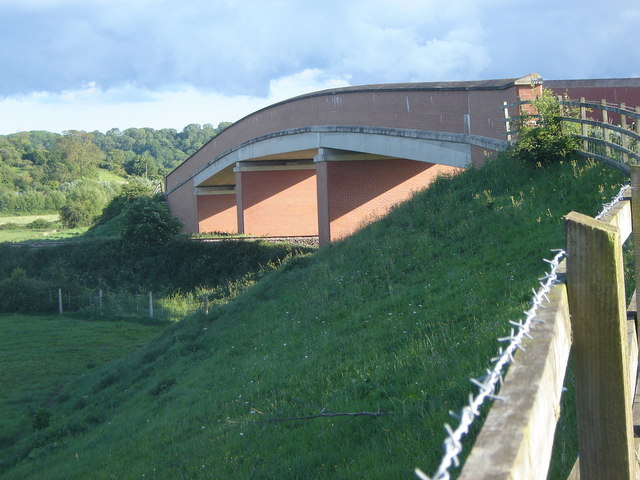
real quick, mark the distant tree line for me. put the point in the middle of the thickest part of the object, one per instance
(45, 172)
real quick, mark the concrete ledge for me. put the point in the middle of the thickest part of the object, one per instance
(445, 148)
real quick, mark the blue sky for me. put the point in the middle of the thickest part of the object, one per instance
(99, 64)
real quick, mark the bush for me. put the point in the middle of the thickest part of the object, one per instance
(85, 202)
(40, 224)
(542, 139)
(147, 221)
(20, 294)
(74, 214)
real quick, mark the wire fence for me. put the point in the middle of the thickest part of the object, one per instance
(116, 304)
(489, 384)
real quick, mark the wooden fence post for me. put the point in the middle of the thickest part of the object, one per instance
(507, 123)
(60, 301)
(150, 305)
(583, 126)
(635, 219)
(638, 129)
(595, 284)
(625, 138)
(605, 131)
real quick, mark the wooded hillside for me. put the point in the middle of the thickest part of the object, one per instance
(41, 171)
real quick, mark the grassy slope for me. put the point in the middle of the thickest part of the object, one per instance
(41, 353)
(395, 318)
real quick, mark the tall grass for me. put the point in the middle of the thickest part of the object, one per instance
(394, 319)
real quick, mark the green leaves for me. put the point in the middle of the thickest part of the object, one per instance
(147, 221)
(542, 138)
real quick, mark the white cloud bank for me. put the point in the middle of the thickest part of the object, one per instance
(95, 65)
(91, 108)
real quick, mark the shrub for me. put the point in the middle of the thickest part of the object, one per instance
(147, 222)
(40, 223)
(74, 214)
(542, 139)
(18, 293)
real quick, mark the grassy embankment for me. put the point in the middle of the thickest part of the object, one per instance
(395, 320)
(40, 354)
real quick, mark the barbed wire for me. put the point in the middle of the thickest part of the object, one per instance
(488, 384)
(607, 207)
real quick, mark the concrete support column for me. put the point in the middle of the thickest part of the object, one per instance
(322, 187)
(239, 202)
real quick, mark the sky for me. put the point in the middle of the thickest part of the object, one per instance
(102, 64)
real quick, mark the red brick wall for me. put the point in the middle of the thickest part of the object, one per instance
(182, 204)
(630, 95)
(280, 202)
(616, 95)
(363, 191)
(438, 110)
(217, 213)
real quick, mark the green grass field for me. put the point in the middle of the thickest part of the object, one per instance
(25, 219)
(108, 176)
(36, 235)
(394, 319)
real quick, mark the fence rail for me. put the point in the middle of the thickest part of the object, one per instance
(615, 140)
(584, 313)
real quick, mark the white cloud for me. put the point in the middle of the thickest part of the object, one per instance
(92, 108)
(225, 55)
(306, 81)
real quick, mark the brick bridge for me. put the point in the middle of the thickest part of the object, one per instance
(326, 163)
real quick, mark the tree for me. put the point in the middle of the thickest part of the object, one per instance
(80, 154)
(143, 166)
(85, 202)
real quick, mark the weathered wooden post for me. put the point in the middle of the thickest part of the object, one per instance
(507, 123)
(605, 130)
(638, 129)
(583, 126)
(635, 218)
(595, 284)
(625, 138)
